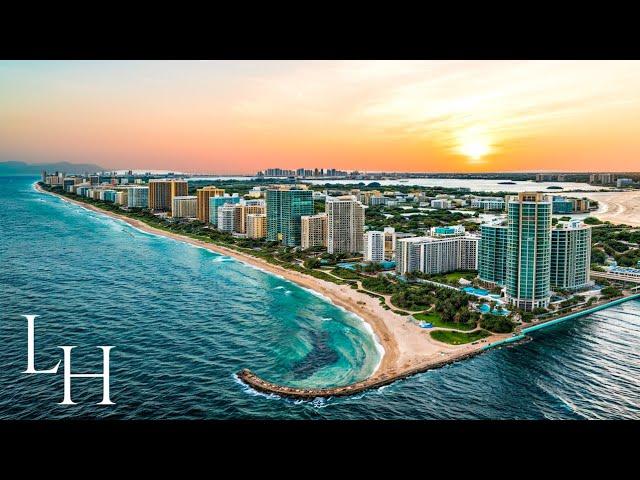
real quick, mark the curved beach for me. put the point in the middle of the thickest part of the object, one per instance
(617, 207)
(408, 349)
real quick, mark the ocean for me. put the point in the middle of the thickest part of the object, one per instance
(184, 320)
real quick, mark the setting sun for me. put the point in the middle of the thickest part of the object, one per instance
(475, 150)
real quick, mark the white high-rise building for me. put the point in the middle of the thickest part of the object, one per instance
(345, 224)
(436, 254)
(570, 255)
(227, 217)
(374, 243)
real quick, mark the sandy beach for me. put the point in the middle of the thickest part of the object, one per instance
(407, 347)
(617, 207)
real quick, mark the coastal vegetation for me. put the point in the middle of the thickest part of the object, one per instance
(436, 320)
(497, 323)
(458, 338)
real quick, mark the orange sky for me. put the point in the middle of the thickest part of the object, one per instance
(239, 117)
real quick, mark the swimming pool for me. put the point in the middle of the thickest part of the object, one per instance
(476, 291)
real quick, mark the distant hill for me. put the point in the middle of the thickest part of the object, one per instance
(22, 168)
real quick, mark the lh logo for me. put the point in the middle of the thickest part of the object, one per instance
(31, 368)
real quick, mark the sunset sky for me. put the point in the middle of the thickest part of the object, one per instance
(239, 117)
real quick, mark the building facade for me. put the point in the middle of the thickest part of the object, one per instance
(492, 254)
(313, 231)
(215, 202)
(249, 207)
(256, 225)
(528, 250)
(345, 224)
(227, 217)
(285, 208)
(570, 255)
(185, 206)
(433, 255)
(161, 193)
(374, 246)
(204, 194)
(138, 197)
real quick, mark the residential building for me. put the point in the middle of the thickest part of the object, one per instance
(227, 217)
(528, 250)
(162, 191)
(184, 206)
(215, 202)
(122, 198)
(488, 203)
(624, 182)
(204, 194)
(345, 224)
(137, 196)
(249, 207)
(570, 255)
(374, 242)
(256, 224)
(286, 205)
(441, 203)
(313, 230)
(492, 254)
(436, 254)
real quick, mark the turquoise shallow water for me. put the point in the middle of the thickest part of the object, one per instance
(184, 320)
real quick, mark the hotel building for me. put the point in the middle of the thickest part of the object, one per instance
(227, 217)
(446, 250)
(528, 250)
(122, 198)
(185, 206)
(285, 208)
(570, 255)
(215, 202)
(492, 254)
(488, 203)
(249, 207)
(256, 225)
(161, 192)
(138, 197)
(313, 231)
(441, 203)
(374, 243)
(345, 224)
(204, 194)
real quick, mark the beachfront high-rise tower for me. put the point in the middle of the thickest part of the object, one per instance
(285, 207)
(313, 231)
(570, 255)
(492, 254)
(528, 250)
(345, 224)
(215, 202)
(161, 193)
(204, 194)
(374, 246)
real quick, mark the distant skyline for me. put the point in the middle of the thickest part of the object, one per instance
(238, 117)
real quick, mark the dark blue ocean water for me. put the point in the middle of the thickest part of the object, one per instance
(183, 320)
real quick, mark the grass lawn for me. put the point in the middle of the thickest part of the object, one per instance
(452, 278)
(434, 318)
(458, 338)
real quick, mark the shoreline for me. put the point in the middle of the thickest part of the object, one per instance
(407, 348)
(617, 207)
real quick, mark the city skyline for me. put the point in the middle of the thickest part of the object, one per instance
(245, 116)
